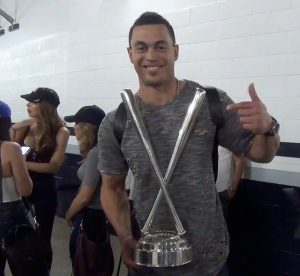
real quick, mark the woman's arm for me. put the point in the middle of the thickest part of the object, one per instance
(18, 130)
(80, 201)
(19, 170)
(58, 156)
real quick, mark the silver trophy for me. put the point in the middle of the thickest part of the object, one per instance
(163, 248)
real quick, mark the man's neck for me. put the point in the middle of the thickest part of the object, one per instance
(159, 95)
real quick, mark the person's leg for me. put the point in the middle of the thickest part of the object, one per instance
(73, 237)
(45, 215)
(2, 263)
(6, 221)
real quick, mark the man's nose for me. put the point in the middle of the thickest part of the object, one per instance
(151, 53)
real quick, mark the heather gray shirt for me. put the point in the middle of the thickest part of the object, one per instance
(89, 175)
(191, 187)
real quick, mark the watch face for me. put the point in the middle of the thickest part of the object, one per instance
(275, 128)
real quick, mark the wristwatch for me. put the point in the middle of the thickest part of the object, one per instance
(274, 129)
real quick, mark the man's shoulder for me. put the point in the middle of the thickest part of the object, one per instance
(109, 117)
(193, 84)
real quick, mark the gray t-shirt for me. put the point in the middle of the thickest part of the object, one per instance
(191, 187)
(89, 175)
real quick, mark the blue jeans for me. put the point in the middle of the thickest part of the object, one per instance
(11, 214)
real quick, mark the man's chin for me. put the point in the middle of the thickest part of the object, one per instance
(153, 82)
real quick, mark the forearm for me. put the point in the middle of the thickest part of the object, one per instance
(42, 167)
(76, 206)
(116, 207)
(263, 148)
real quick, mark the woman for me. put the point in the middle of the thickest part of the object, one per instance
(45, 133)
(86, 205)
(15, 181)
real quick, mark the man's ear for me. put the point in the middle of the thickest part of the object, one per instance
(176, 51)
(129, 50)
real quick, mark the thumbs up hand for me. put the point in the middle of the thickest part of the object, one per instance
(253, 114)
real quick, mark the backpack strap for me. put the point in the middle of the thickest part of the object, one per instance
(119, 122)
(216, 113)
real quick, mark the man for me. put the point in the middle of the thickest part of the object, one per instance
(163, 102)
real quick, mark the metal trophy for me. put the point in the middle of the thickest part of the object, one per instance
(163, 248)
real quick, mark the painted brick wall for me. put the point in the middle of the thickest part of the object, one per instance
(78, 48)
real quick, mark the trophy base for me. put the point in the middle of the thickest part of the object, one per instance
(163, 249)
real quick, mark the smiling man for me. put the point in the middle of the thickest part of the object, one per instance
(163, 101)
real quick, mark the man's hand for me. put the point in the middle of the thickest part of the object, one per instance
(128, 249)
(253, 114)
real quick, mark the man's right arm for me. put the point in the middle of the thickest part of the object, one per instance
(115, 203)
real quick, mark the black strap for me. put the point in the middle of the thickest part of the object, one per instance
(215, 107)
(119, 122)
(1, 188)
(216, 113)
(32, 212)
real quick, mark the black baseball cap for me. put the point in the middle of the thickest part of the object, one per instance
(91, 114)
(43, 94)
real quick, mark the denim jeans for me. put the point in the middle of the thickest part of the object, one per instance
(11, 214)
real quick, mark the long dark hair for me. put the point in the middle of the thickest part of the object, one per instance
(49, 124)
(5, 124)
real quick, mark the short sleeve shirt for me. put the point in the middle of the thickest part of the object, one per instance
(191, 186)
(90, 176)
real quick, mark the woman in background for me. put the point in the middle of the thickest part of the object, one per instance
(15, 181)
(46, 135)
(86, 205)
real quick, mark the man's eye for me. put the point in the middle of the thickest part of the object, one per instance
(140, 48)
(161, 47)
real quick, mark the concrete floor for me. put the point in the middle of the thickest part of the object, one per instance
(61, 265)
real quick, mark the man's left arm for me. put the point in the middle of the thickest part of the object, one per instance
(254, 117)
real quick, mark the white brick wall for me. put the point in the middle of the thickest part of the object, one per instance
(79, 49)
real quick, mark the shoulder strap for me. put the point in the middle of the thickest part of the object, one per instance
(215, 107)
(216, 113)
(1, 189)
(119, 122)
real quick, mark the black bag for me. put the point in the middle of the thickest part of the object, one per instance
(26, 251)
(93, 258)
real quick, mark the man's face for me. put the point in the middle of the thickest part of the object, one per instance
(153, 54)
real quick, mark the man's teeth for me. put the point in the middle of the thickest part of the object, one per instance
(151, 68)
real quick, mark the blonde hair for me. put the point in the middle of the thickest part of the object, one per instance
(49, 123)
(88, 138)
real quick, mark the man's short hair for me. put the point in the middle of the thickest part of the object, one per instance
(152, 18)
